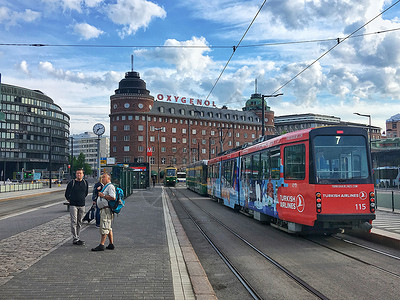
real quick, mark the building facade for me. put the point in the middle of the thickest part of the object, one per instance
(393, 126)
(177, 130)
(290, 123)
(87, 143)
(34, 134)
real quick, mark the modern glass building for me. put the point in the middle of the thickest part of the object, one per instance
(33, 135)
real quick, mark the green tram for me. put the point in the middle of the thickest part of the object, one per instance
(196, 177)
(170, 176)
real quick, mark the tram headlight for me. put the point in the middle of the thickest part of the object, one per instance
(372, 204)
(318, 199)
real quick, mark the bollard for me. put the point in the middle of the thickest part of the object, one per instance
(392, 201)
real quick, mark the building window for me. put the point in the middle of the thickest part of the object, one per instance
(152, 160)
(127, 159)
(173, 150)
(184, 150)
(184, 130)
(193, 131)
(114, 138)
(126, 148)
(140, 127)
(127, 138)
(152, 139)
(183, 140)
(173, 130)
(204, 142)
(140, 138)
(161, 109)
(114, 128)
(163, 149)
(137, 118)
(203, 151)
(194, 141)
(229, 143)
(127, 127)
(114, 149)
(140, 148)
(163, 160)
(203, 132)
(182, 111)
(130, 118)
(237, 134)
(237, 144)
(173, 140)
(140, 159)
(163, 139)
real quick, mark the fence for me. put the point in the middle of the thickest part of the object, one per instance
(389, 199)
(20, 187)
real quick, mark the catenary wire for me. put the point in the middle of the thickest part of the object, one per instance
(330, 49)
(199, 46)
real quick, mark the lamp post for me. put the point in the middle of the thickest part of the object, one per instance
(50, 142)
(158, 153)
(263, 111)
(369, 127)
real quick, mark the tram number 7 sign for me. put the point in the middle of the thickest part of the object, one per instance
(149, 151)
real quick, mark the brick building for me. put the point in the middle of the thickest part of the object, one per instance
(178, 130)
(393, 126)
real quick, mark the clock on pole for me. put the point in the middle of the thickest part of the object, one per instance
(98, 129)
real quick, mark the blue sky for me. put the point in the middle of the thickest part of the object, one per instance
(361, 74)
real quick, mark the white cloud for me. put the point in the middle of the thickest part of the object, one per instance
(65, 4)
(134, 14)
(12, 18)
(87, 31)
(93, 3)
(24, 67)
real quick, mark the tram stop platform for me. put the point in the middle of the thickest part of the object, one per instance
(153, 258)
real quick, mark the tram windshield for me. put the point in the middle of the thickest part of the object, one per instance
(340, 158)
(171, 172)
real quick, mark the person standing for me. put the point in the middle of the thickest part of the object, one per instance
(106, 194)
(75, 193)
(95, 195)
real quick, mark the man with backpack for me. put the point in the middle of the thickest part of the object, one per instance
(95, 195)
(76, 192)
(106, 215)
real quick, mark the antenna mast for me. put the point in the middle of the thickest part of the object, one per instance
(132, 62)
(255, 86)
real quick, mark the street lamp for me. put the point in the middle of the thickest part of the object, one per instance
(50, 142)
(369, 127)
(263, 110)
(158, 153)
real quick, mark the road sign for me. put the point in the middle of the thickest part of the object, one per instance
(149, 151)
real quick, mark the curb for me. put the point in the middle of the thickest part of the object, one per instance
(376, 237)
(30, 195)
(201, 286)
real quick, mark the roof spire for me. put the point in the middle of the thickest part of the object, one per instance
(255, 86)
(132, 62)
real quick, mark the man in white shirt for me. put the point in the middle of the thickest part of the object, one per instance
(106, 215)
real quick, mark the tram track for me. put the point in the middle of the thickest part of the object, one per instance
(310, 289)
(356, 258)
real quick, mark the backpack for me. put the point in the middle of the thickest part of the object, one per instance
(119, 202)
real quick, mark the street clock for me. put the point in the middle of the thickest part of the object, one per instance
(98, 129)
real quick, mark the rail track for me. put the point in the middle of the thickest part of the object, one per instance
(235, 270)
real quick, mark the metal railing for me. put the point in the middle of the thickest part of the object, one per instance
(5, 188)
(388, 199)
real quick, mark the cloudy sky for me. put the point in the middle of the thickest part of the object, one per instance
(90, 43)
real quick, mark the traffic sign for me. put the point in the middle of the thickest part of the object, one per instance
(149, 151)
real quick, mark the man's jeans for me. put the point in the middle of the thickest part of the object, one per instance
(77, 213)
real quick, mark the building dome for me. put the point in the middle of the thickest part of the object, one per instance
(132, 84)
(255, 103)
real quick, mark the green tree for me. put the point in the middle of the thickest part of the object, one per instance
(80, 163)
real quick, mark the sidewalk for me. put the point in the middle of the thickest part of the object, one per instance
(151, 259)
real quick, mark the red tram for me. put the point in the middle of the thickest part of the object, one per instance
(317, 180)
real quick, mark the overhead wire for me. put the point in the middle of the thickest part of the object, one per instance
(234, 50)
(197, 46)
(330, 49)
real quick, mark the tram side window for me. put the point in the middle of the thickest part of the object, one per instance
(228, 173)
(255, 166)
(295, 162)
(264, 164)
(275, 163)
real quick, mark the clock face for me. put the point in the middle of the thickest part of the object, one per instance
(126, 105)
(98, 129)
(140, 105)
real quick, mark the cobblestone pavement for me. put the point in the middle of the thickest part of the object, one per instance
(45, 264)
(20, 251)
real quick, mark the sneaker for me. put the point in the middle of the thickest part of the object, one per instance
(79, 242)
(97, 226)
(98, 248)
(110, 247)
